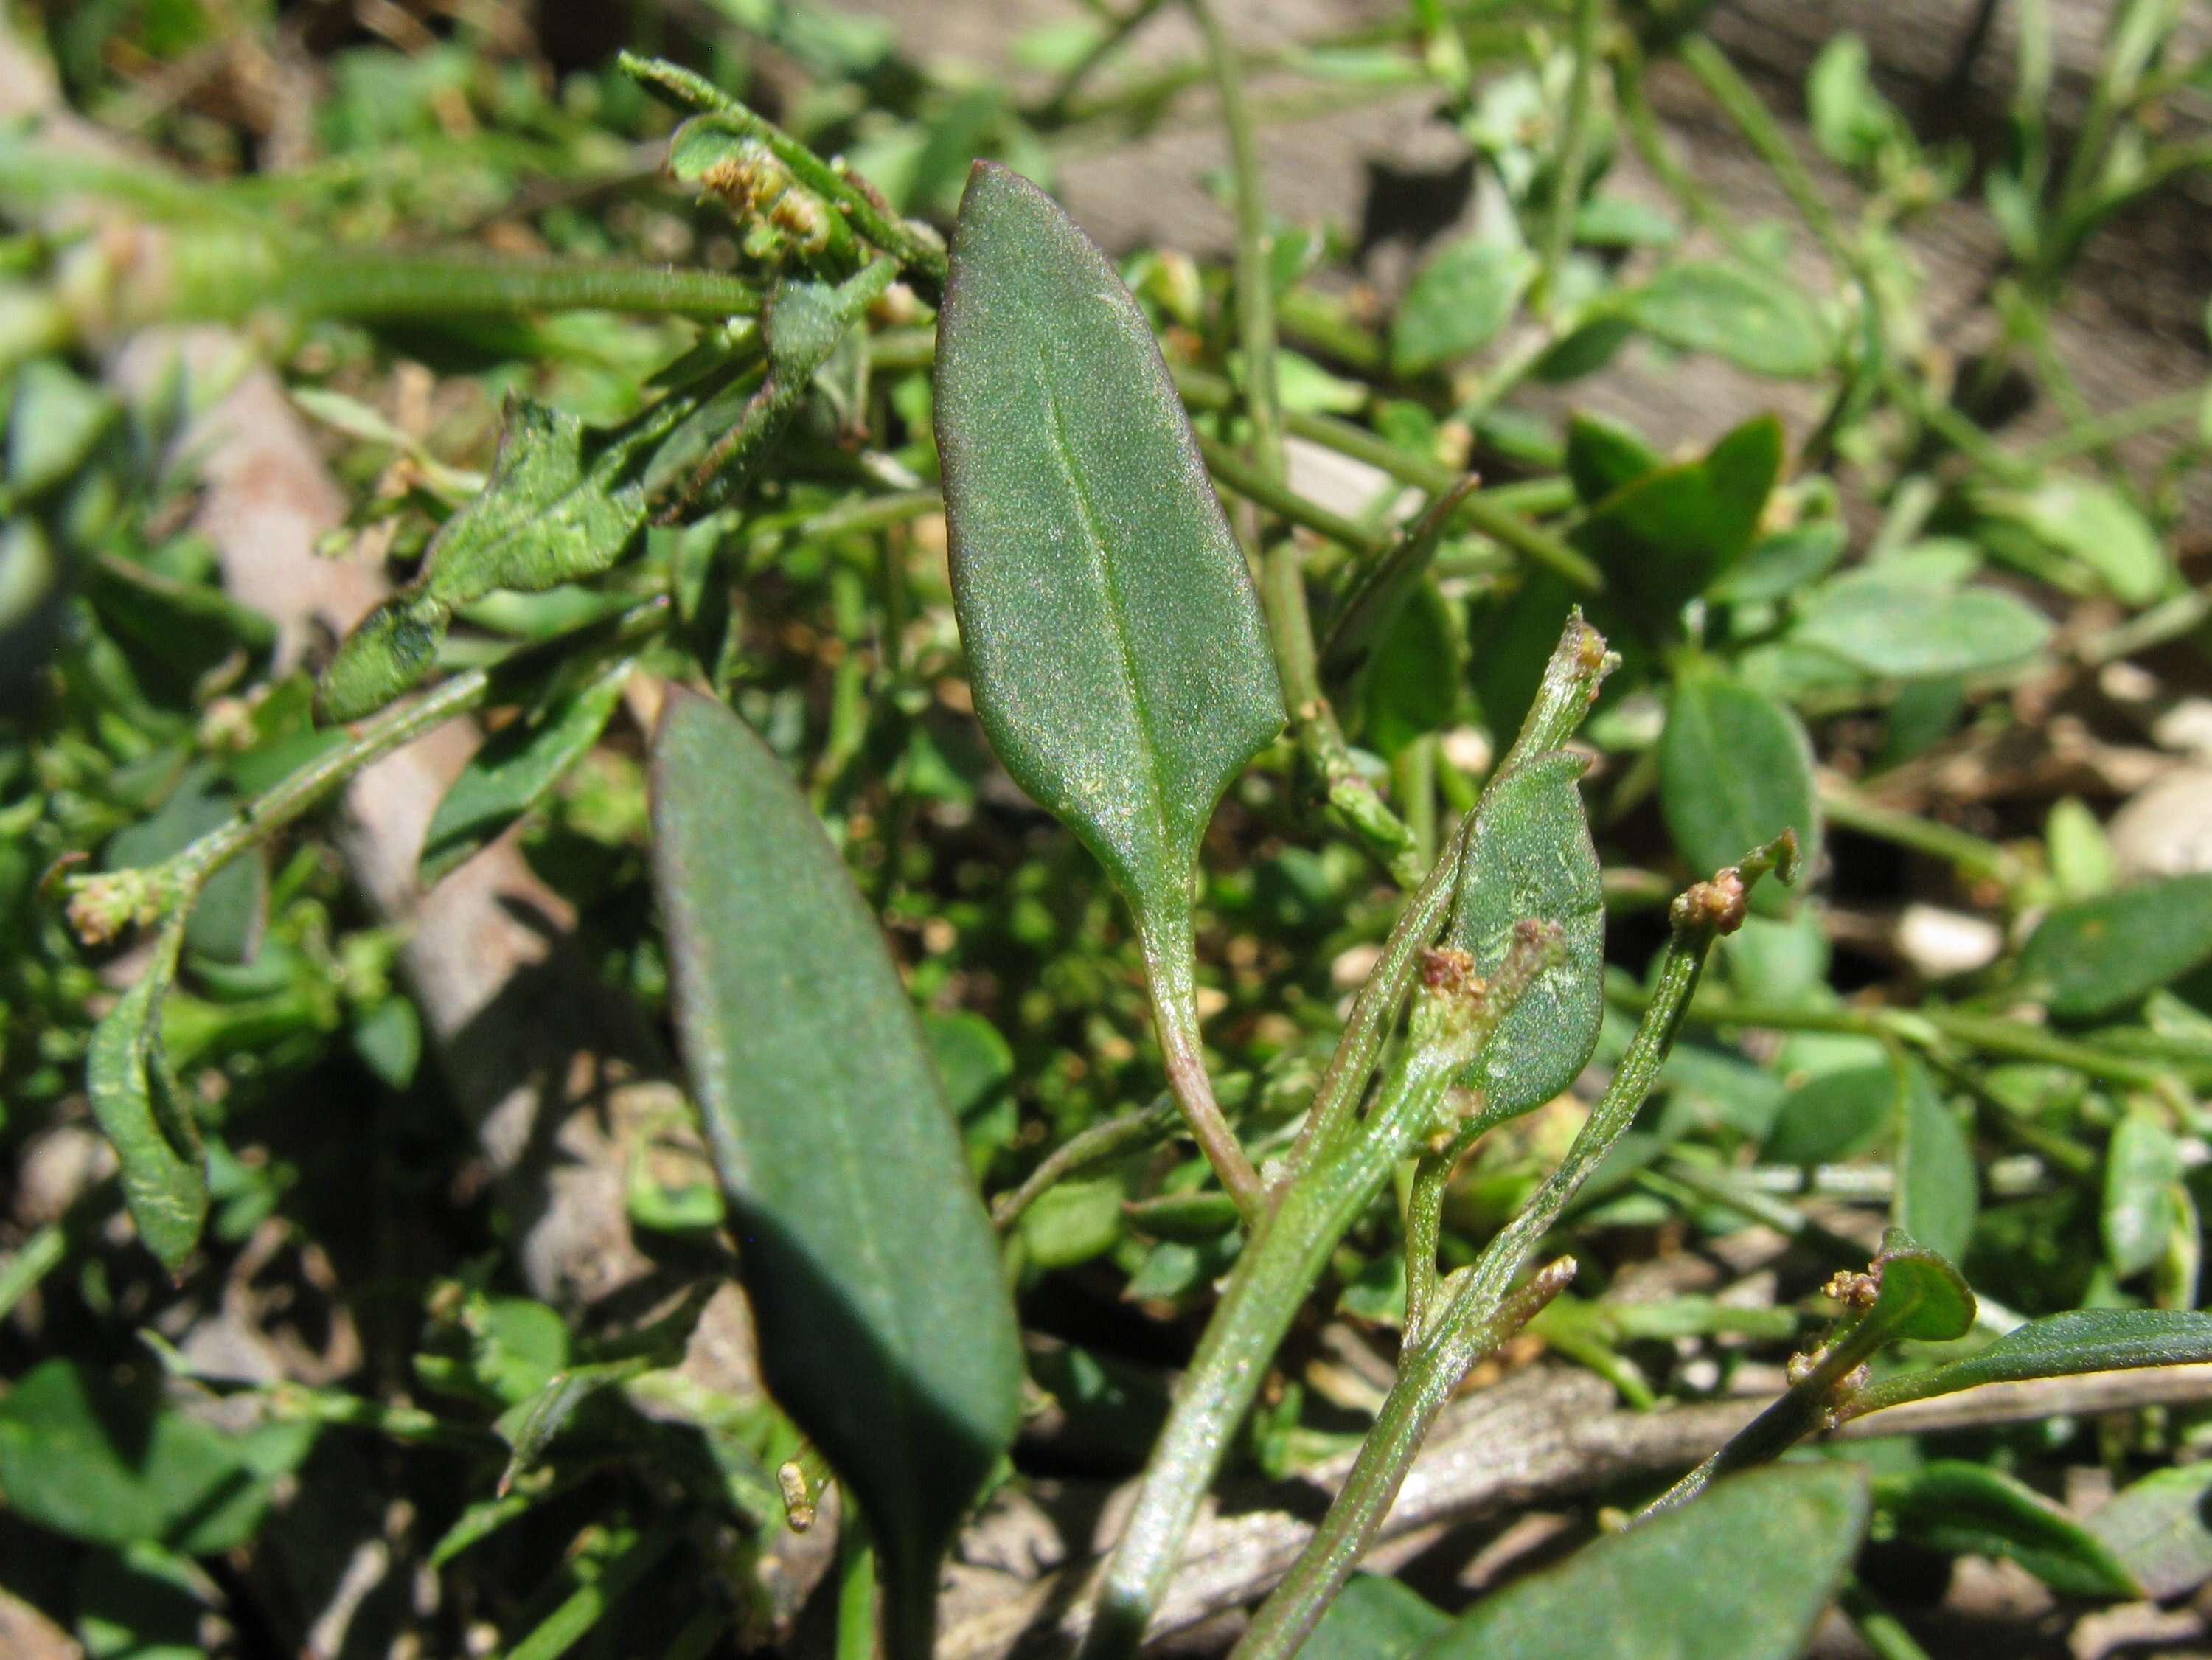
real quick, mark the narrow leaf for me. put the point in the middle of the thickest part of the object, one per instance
(144, 1113)
(2060, 1345)
(516, 767)
(2089, 958)
(1742, 1573)
(1529, 856)
(1906, 630)
(1119, 662)
(1956, 1507)
(886, 1331)
(2158, 1530)
(1736, 770)
(2142, 1167)
(1937, 1196)
(1753, 321)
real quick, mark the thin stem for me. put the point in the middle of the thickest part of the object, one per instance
(372, 283)
(914, 246)
(1573, 152)
(1053, 110)
(1170, 964)
(1743, 105)
(30, 1263)
(2099, 432)
(856, 1587)
(1091, 1146)
(1263, 490)
(588, 1604)
(1972, 853)
(1424, 1383)
(1256, 293)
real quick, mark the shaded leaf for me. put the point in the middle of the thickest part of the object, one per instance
(531, 1425)
(1604, 455)
(2142, 1167)
(1457, 302)
(111, 1466)
(1529, 856)
(1752, 321)
(515, 768)
(1736, 770)
(1955, 1507)
(144, 1114)
(1834, 1113)
(1711, 1580)
(2161, 1530)
(1412, 685)
(1923, 1299)
(885, 1330)
(1664, 538)
(1937, 1192)
(1907, 630)
(1119, 660)
(1374, 1618)
(232, 906)
(2094, 955)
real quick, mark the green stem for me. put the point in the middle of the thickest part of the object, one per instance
(1262, 490)
(1091, 1146)
(1479, 1312)
(1170, 970)
(856, 1587)
(1256, 288)
(30, 1263)
(2099, 432)
(1053, 110)
(1741, 100)
(1972, 853)
(914, 246)
(588, 1604)
(1272, 1279)
(373, 282)
(1573, 152)
(1880, 1630)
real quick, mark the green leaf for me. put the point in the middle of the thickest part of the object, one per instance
(1781, 566)
(1736, 770)
(1530, 857)
(1374, 1618)
(530, 1426)
(563, 501)
(1666, 538)
(885, 1329)
(2143, 1166)
(1907, 630)
(1955, 1507)
(145, 1114)
(516, 767)
(1752, 321)
(232, 905)
(141, 1602)
(2091, 958)
(1603, 456)
(1115, 645)
(1709, 1581)
(1937, 1196)
(2160, 1531)
(1412, 685)
(1457, 302)
(1850, 121)
(1071, 1223)
(54, 419)
(1833, 1115)
(2060, 1345)
(112, 1466)
(1923, 1299)
(2093, 522)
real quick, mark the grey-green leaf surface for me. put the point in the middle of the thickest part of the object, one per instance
(1906, 630)
(2093, 956)
(2143, 1166)
(1458, 301)
(516, 767)
(144, 1114)
(1374, 1618)
(1956, 1507)
(886, 1331)
(1736, 770)
(1742, 1572)
(1530, 857)
(1753, 321)
(2060, 1345)
(1114, 642)
(1938, 1194)
(2158, 1530)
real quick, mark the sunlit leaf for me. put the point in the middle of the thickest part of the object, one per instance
(2094, 955)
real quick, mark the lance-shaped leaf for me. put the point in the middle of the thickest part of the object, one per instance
(142, 1112)
(1120, 661)
(1742, 1574)
(886, 1331)
(2058, 1345)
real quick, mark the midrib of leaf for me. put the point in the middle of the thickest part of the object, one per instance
(1087, 511)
